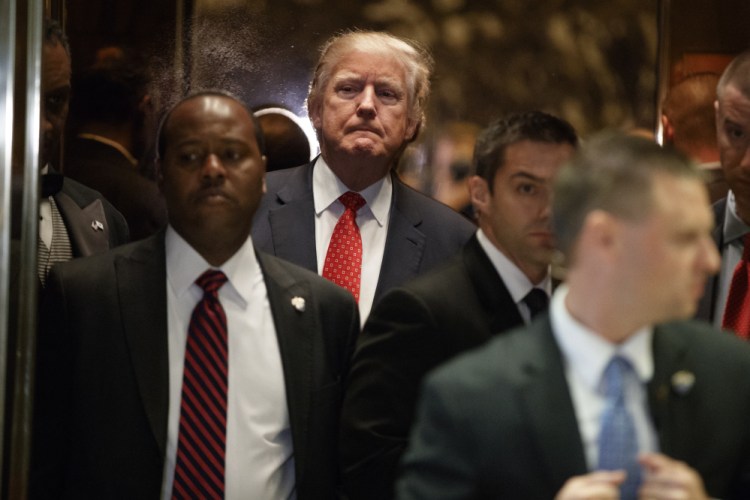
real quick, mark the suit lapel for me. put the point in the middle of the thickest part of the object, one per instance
(494, 296)
(295, 330)
(668, 409)
(141, 283)
(545, 393)
(707, 304)
(404, 244)
(87, 226)
(293, 222)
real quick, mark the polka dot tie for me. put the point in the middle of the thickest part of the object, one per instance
(737, 310)
(343, 264)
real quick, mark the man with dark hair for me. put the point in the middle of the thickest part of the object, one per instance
(187, 364)
(109, 113)
(732, 214)
(499, 280)
(613, 394)
(75, 221)
(346, 215)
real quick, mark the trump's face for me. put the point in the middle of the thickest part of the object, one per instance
(364, 110)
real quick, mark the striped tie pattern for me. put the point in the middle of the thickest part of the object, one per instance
(343, 264)
(199, 469)
(60, 249)
(618, 444)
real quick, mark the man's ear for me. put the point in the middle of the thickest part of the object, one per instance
(667, 130)
(479, 192)
(315, 118)
(412, 130)
(265, 165)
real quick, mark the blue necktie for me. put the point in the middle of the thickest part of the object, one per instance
(618, 443)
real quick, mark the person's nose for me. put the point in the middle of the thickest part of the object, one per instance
(212, 168)
(366, 106)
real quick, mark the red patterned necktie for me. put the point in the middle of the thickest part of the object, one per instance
(737, 310)
(343, 264)
(199, 469)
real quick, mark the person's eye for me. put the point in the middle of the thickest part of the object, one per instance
(526, 189)
(347, 90)
(388, 95)
(232, 155)
(188, 157)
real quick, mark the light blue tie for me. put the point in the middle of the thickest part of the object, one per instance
(618, 444)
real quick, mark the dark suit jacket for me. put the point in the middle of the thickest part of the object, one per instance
(102, 399)
(707, 304)
(81, 206)
(101, 167)
(413, 329)
(499, 422)
(421, 232)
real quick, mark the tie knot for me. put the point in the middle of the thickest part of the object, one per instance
(536, 300)
(211, 280)
(615, 373)
(352, 201)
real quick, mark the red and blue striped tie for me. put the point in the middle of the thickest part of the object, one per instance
(199, 470)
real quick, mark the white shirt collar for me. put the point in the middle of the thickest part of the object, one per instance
(517, 283)
(327, 188)
(588, 353)
(185, 265)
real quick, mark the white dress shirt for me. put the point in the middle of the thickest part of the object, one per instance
(259, 460)
(585, 356)
(45, 215)
(731, 253)
(517, 283)
(372, 220)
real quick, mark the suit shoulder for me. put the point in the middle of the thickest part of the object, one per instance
(317, 282)
(706, 342)
(88, 267)
(280, 178)
(434, 213)
(84, 195)
(499, 360)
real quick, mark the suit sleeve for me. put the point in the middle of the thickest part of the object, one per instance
(396, 348)
(52, 394)
(440, 461)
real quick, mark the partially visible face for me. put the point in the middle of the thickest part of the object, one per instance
(733, 135)
(212, 171)
(516, 214)
(666, 258)
(364, 109)
(55, 99)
